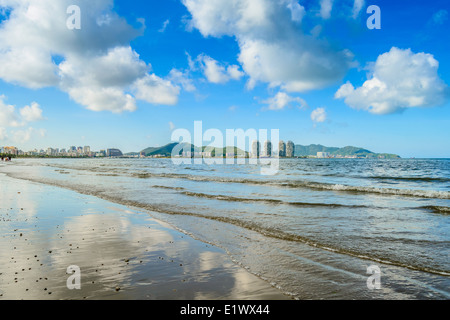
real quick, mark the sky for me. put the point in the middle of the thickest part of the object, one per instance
(126, 74)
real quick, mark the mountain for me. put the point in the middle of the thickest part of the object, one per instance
(303, 151)
(349, 151)
(166, 150)
(300, 151)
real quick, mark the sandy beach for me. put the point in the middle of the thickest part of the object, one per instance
(122, 253)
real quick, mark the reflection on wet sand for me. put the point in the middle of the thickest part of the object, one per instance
(122, 254)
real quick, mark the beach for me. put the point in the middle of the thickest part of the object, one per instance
(151, 229)
(122, 254)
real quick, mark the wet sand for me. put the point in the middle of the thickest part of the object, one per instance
(122, 253)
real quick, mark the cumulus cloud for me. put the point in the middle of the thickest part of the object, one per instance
(183, 79)
(217, 73)
(325, 8)
(3, 134)
(319, 115)
(11, 118)
(357, 6)
(95, 65)
(440, 17)
(8, 115)
(273, 49)
(32, 113)
(156, 90)
(22, 136)
(282, 100)
(399, 79)
(297, 10)
(164, 26)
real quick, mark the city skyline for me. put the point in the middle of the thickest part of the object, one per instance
(312, 69)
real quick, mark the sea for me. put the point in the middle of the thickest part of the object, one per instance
(317, 229)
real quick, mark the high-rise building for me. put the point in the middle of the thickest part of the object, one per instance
(10, 150)
(290, 149)
(267, 152)
(322, 155)
(113, 153)
(86, 150)
(256, 148)
(282, 149)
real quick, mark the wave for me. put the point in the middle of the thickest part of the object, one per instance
(324, 186)
(305, 184)
(168, 188)
(272, 201)
(249, 225)
(437, 209)
(417, 179)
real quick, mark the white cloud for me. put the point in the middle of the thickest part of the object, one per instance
(217, 73)
(8, 115)
(153, 89)
(3, 134)
(171, 126)
(282, 100)
(440, 17)
(234, 72)
(357, 6)
(95, 65)
(10, 118)
(297, 10)
(22, 136)
(102, 98)
(32, 113)
(164, 26)
(273, 49)
(325, 8)
(399, 79)
(319, 115)
(182, 78)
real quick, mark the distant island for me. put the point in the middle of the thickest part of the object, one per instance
(349, 151)
(301, 151)
(189, 150)
(166, 151)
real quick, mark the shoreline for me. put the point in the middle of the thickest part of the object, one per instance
(122, 253)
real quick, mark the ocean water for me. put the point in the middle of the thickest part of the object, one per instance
(312, 230)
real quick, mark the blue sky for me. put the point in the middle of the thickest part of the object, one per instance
(136, 70)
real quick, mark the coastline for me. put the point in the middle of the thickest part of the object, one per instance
(122, 253)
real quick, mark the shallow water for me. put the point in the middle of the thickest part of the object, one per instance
(311, 230)
(120, 253)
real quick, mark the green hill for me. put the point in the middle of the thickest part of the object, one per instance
(164, 150)
(300, 151)
(167, 150)
(303, 151)
(349, 151)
